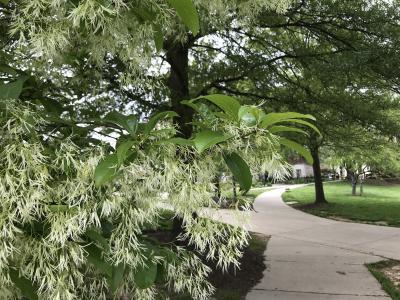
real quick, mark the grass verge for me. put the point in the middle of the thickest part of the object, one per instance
(247, 199)
(385, 273)
(379, 205)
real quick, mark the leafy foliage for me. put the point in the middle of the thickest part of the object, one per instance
(96, 205)
(188, 14)
(11, 90)
(240, 170)
(24, 285)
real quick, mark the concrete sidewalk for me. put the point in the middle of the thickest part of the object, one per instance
(314, 258)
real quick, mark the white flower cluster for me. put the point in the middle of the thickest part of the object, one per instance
(48, 202)
(49, 29)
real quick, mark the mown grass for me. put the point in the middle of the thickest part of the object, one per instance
(377, 270)
(247, 199)
(379, 203)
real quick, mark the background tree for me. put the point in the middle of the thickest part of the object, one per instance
(363, 152)
(320, 58)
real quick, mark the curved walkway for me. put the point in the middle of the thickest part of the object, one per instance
(314, 258)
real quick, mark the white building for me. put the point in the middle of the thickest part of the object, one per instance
(301, 169)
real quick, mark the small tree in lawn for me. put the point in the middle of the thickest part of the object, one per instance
(362, 152)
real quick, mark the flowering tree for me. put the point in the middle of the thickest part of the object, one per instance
(75, 221)
(77, 215)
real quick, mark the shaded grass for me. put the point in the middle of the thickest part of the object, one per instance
(258, 191)
(378, 204)
(247, 199)
(377, 270)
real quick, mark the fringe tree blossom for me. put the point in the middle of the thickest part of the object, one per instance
(51, 208)
(126, 29)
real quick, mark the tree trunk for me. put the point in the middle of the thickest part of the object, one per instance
(353, 183)
(354, 188)
(177, 55)
(217, 187)
(318, 184)
(234, 189)
(178, 84)
(265, 181)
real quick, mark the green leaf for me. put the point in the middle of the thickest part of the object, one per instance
(95, 236)
(273, 118)
(7, 69)
(249, 115)
(129, 123)
(96, 259)
(187, 12)
(143, 14)
(124, 150)
(208, 138)
(161, 274)
(58, 208)
(5, 2)
(146, 275)
(106, 228)
(308, 124)
(117, 277)
(115, 117)
(229, 105)
(106, 169)
(151, 124)
(158, 37)
(24, 285)
(240, 170)
(191, 104)
(179, 141)
(52, 106)
(37, 229)
(298, 148)
(279, 128)
(13, 89)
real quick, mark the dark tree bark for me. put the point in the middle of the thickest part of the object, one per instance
(353, 188)
(178, 84)
(177, 55)
(353, 184)
(353, 178)
(318, 183)
(234, 189)
(265, 178)
(217, 187)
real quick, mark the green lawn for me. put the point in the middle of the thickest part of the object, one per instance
(377, 269)
(248, 198)
(251, 195)
(380, 203)
(254, 192)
